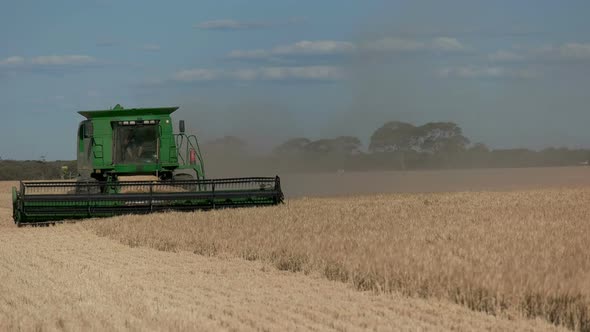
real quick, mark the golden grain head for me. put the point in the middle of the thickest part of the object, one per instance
(522, 252)
(514, 254)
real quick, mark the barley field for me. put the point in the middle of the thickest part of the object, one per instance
(505, 256)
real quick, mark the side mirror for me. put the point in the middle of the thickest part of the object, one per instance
(88, 130)
(181, 126)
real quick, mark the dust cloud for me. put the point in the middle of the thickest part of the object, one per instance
(378, 87)
(261, 123)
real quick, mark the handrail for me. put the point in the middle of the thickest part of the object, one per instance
(184, 144)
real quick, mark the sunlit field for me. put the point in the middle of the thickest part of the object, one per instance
(521, 253)
(507, 256)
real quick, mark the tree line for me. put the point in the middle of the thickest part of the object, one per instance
(395, 145)
(398, 145)
(394, 136)
(36, 169)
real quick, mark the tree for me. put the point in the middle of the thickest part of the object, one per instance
(292, 146)
(346, 145)
(340, 145)
(433, 137)
(393, 136)
(479, 148)
(320, 146)
(442, 137)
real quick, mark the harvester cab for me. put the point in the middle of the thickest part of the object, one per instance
(138, 141)
(130, 142)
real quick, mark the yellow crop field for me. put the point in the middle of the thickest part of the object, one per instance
(522, 253)
(515, 258)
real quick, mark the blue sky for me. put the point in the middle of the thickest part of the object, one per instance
(511, 73)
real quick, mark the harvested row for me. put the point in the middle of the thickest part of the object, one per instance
(514, 254)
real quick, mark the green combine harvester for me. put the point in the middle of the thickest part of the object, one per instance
(122, 142)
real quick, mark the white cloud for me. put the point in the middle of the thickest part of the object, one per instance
(394, 45)
(246, 74)
(485, 72)
(320, 47)
(568, 52)
(20, 63)
(62, 60)
(249, 54)
(316, 73)
(230, 24)
(446, 44)
(305, 73)
(191, 75)
(305, 47)
(472, 72)
(505, 56)
(12, 61)
(334, 47)
(227, 24)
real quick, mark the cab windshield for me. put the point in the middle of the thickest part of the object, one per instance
(135, 144)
